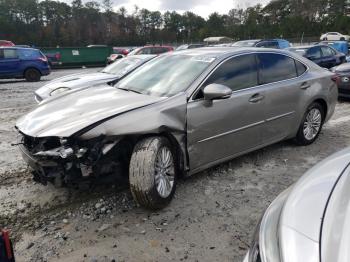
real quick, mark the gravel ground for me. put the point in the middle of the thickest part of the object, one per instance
(211, 217)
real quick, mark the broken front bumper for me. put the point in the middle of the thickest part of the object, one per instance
(46, 170)
(74, 162)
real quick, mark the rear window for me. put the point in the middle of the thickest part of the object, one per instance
(275, 67)
(314, 53)
(327, 51)
(268, 44)
(28, 53)
(301, 68)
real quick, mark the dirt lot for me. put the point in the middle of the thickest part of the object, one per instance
(211, 218)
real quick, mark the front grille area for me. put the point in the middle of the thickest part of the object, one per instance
(34, 144)
(344, 91)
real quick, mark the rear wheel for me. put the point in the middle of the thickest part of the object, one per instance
(342, 39)
(152, 173)
(32, 75)
(311, 125)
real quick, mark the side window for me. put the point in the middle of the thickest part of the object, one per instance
(326, 51)
(314, 53)
(237, 73)
(275, 67)
(301, 68)
(145, 51)
(157, 50)
(10, 53)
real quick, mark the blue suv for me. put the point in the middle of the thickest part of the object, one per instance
(26, 63)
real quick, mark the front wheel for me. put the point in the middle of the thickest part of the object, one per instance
(152, 173)
(311, 125)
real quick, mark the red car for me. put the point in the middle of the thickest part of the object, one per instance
(6, 43)
(152, 50)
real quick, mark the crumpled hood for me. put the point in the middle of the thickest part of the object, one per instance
(74, 81)
(69, 114)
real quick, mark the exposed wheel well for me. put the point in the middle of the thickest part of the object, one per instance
(132, 140)
(323, 103)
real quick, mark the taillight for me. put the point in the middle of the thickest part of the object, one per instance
(43, 58)
(336, 78)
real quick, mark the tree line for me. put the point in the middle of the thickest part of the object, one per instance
(52, 23)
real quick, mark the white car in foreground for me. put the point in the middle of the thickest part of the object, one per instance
(310, 221)
(334, 36)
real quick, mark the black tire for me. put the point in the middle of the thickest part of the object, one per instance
(342, 39)
(325, 39)
(142, 173)
(32, 75)
(300, 138)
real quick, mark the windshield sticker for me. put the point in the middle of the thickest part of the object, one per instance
(205, 59)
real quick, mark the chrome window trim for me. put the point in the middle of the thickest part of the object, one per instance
(248, 88)
(245, 127)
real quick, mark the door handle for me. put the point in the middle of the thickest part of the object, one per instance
(256, 98)
(305, 85)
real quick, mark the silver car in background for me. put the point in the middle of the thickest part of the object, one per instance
(177, 115)
(110, 74)
(310, 220)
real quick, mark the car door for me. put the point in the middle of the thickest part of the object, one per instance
(220, 129)
(2, 64)
(9, 63)
(278, 79)
(329, 58)
(315, 55)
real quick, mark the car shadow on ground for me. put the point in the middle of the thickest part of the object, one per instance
(15, 81)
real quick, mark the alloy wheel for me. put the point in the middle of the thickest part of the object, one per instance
(164, 172)
(312, 124)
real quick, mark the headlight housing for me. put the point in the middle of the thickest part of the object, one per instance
(265, 246)
(59, 90)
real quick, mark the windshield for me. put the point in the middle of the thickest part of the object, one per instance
(166, 75)
(122, 66)
(245, 43)
(182, 47)
(135, 51)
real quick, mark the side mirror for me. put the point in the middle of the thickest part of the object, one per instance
(216, 91)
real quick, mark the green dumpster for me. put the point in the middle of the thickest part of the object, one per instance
(77, 56)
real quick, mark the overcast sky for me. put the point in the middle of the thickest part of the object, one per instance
(200, 7)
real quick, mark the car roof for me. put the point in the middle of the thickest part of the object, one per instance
(216, 52)
(18, 48)
(142, 57)
(307, 46)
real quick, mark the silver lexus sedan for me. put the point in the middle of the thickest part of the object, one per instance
(110, 74)
(175, 116)
(309, 221)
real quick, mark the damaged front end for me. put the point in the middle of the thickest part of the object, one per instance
(73, 162)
